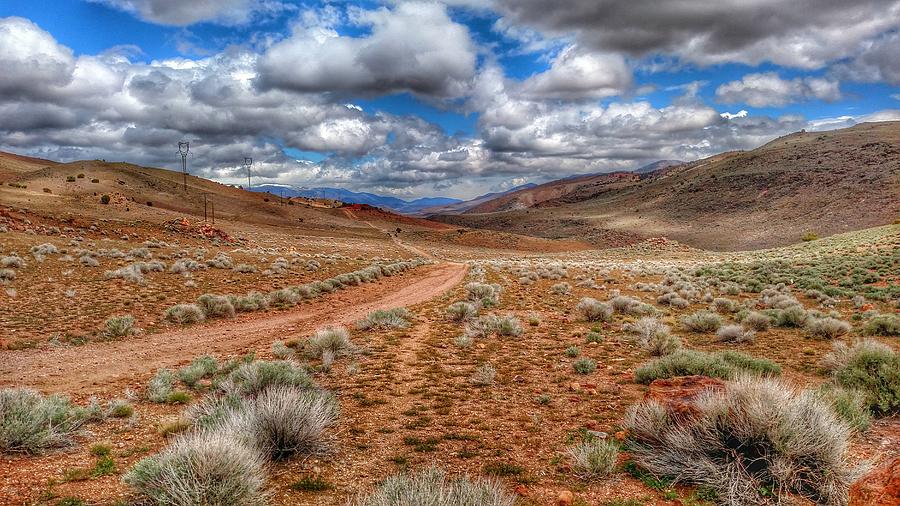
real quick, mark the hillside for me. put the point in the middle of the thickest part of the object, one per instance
(808, 182)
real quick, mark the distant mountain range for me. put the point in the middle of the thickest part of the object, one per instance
(351, 197)
(463, 206)
(423, 206)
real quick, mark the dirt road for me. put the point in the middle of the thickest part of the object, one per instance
(112, 366)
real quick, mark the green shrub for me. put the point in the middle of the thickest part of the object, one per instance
(584, 366)
(119, 408)
(850, 406)
(204, 467)
(827, 328)
(791, 316)
(870, 367)
(483, 294)
(702, 321)
(882, 325)
(593, 337)
(119, 326)
(201, 367)
(591, 310)
(484, 375)
(252, 378)
(161, 386)
(215, 306)
(333, 341)
(432, 487)
(184, 314)
(754, 439)
(735, 334)
(397, 318)
(104, 199)
(594, 458)
(461, 311)
(757, 321)
(31, 423)
(723, 364)
(285, 420)
(508, 325)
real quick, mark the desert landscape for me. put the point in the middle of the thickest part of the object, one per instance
(721, 329)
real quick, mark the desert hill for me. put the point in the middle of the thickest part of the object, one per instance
(157, 195)
(806, 183)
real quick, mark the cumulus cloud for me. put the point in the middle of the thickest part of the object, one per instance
(412, 47)
(768, 89)
(801, 33)
(878, 61)
(183, 13)
(575, 73)
(300, 93)
(31, 57)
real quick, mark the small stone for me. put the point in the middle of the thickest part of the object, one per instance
(522, 490)
(565, 498)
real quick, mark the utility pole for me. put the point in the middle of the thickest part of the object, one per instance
(205, 194)
(184, 148)
(247, 163)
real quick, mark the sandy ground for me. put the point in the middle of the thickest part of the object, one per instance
(100, 366)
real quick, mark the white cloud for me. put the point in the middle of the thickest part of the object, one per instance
(740, 114)
(801, 33)
(575, 73)
(412, 46)
(769, 90)
(188, 12)
(31, 58)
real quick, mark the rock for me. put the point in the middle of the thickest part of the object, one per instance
(522, 490)
(878, 487)
(565, 498)
(678, 394)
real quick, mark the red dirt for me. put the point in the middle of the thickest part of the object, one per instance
(97, 367)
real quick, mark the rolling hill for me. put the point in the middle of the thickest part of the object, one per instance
(818, 183)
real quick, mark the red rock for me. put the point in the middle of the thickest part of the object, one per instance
(522, 490)
(565, 498)
(878, 487)
(678, 394)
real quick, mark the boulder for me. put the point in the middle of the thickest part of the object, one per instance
(878, 487)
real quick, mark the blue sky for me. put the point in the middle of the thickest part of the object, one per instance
(423, 98)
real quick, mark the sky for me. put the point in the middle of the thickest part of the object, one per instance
(424, 98)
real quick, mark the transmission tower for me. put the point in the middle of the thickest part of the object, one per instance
(247, 163)
(184, 147)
